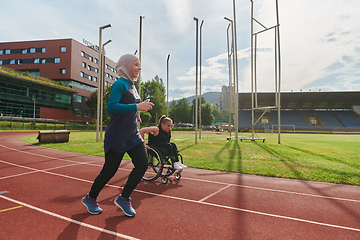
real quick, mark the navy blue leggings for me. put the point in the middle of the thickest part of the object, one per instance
(113, 159)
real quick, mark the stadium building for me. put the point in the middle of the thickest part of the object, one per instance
(301, 111)
(63, 60)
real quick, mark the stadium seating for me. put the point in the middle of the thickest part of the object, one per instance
(326, 120)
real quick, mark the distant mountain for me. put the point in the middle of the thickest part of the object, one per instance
(209, 97)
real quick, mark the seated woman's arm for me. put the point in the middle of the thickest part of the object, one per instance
(153, 130)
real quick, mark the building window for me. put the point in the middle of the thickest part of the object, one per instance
(7, 51)
(36, 60)
(76, 98)
(1, 52)
(62, 49)
(95, 79)
(86, 114)
(32, 50)
(19, 62)
(1, 62)
(96, 61)
(24, 51)
(77, 112)
(92, 69)
(57, 60)
(86, 56)
(43, 50)
(62, 70)
(81, 74)
(43, 61)
(12, 61)
(84, 65)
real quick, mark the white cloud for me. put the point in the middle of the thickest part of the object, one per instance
(319, 39)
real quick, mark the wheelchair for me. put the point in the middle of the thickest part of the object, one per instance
(161, 165)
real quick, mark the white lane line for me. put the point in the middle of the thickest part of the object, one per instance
(273, 190)
(203, 180)
(213, 194)
(69, 219)
(210, 204)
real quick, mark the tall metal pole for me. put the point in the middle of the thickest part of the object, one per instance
(230, 78)
(34, 111)
(99, 82)
(252, 70)
(167, 86)
(139, 77)
(237, 80)
(102, 87)
(196, 88)
(279, 66)
(200, 76)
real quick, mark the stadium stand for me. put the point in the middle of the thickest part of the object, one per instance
(307, 111)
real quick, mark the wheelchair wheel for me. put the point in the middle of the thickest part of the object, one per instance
(155, 165)
(168, 167)
(177, 176)
(164, 180)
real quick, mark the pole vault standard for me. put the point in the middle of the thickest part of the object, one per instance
(254, 97)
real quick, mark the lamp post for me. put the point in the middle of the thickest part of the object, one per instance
(167, 86)
(102, 87)
(200, 76)
(34, 110)
(230, 78)
(99, 82)
(196, 88)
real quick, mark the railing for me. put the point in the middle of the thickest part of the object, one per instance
(20, 123)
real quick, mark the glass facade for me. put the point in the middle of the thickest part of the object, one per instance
(17, 97)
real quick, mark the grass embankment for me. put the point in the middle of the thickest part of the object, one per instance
(317, 157)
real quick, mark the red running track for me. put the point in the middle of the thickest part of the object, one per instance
(41, 189)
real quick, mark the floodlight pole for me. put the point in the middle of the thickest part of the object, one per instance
(167, 86)
(99, 82)
(102, 87)
(200, 77)
(196, 88)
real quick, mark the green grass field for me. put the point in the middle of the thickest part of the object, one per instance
(331, 158)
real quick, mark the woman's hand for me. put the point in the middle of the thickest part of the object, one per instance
(144, 106)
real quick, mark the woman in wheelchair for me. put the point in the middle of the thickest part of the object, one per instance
(160, 137)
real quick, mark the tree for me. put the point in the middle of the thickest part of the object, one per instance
(180, 111)
(145, 117)
(224, 114)
(207, 117)
(193, 107)
(92, 103)
(154, 90)
(216, 113)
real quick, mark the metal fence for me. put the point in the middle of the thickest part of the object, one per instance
(20, 123)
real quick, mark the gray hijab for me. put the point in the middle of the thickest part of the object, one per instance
(124, 67)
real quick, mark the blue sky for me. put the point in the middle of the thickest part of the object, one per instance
(320, 40)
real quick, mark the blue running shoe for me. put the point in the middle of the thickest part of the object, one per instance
(125, 205)
(91, 204)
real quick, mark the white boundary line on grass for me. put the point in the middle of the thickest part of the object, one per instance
(69, 219)
(194, 201)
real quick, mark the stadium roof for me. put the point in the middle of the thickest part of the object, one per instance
(304, 100)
